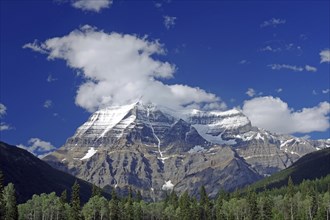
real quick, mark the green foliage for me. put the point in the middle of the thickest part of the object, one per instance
(113, 206)
(75, 202)
(45, 207)
(96, 208)
(2, 183)
(308, 200)
(9, 200)
(96, 191)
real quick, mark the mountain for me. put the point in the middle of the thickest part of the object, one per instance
(309, 167)
(30, 175)
(154, 149)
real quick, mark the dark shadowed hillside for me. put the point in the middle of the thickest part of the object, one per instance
(30, 175)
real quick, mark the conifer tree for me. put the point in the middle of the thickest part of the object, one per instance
(63, 204)
(96, 191)
(290, 193)
(113, 205)
(206, 209)
(194, 208)
(75, 202)
(219, 203)
(184, 205)
(64, 197)
(10, 205)
(252, 205)
(173, 200)
(138, 196)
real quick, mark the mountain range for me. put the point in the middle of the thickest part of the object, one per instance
(155, 149)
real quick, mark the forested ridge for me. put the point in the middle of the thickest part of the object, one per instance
(308, 200)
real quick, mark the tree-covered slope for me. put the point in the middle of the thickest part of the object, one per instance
(309, 167)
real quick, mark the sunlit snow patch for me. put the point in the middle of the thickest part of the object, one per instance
(89, 154)
(168, 185)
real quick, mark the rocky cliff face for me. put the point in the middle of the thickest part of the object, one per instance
(154, 149)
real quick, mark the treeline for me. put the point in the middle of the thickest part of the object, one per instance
(309, 200)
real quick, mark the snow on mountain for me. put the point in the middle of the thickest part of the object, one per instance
(104, 120)
(168, 185)
(89, 154)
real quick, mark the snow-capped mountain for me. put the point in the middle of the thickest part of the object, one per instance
(155, 149)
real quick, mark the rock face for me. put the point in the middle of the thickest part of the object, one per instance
(154, 149)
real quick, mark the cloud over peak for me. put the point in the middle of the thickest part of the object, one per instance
(119, 69)
(275, 115)
(91, 5)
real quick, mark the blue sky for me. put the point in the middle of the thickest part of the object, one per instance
(270, 59)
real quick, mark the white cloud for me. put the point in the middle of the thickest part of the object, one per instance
(251, 92)
(271, 49)
(276, 46)
(169, 22)
(275, 115)
(4, 126)
(158, 4)
(314, 92)
(120, 69)
(244, 62)
(38, 147)
(50, 78)
(48, 103)
(274, 22)
(325, 91)
(3, 110)
(91, 5)
(310, 68)
(325, 56)
(35, 46)
(279, 90)
(286, 66)
(307, 68)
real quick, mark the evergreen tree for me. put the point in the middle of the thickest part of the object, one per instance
(129, 206)
(64, 197)
(10, 206)
(113, 205)
(314, 203)
(63, 205)
(290, 193)
(252, 205)
(96, 191)
(195, 213)
(75, 202)
(173, 200)
(205, 205)
(138, 196)
(138, 212)
(184, 205)
(219, 213)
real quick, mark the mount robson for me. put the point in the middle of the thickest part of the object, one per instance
(154, 149)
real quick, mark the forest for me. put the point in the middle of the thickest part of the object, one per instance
(308, 200)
